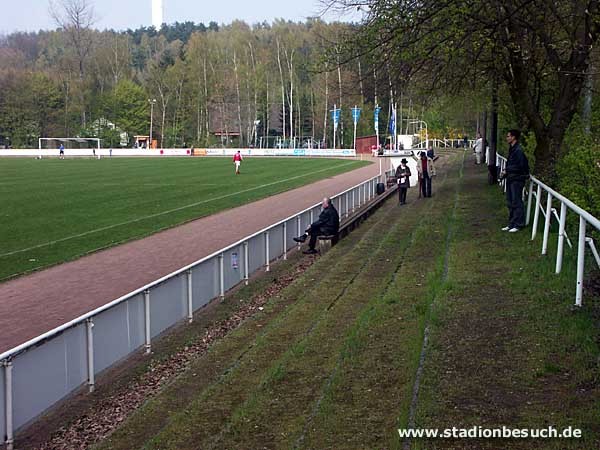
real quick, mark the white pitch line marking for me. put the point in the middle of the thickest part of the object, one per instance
(191, 205)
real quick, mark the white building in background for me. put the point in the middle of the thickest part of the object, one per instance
(157, 13)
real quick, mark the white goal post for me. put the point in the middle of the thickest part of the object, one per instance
(54, 143)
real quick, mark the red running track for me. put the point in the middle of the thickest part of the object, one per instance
(34, 304)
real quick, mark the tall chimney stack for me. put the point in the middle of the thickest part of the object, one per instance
(157, 13)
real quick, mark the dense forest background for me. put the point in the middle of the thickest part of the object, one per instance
(212, 85)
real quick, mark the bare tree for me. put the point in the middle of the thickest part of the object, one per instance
(76, 18)
(282, 86)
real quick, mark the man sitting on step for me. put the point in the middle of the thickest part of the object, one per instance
(328, 223)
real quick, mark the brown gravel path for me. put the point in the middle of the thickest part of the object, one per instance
(36, 303)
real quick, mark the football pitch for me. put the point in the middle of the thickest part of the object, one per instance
(54, 211)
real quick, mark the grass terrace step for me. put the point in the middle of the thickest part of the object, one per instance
(297, 349)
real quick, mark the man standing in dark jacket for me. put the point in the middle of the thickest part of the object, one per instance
(516, 173)
(328, 223)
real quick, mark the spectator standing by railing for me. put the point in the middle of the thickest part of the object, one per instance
(478, 148)
(426, 171)
(403, 177)
(516, 172)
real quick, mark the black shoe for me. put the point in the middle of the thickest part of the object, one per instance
(300, 238)
(310, 251)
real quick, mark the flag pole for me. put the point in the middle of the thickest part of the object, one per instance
(377, 128)
(334, 125)
(355, 120)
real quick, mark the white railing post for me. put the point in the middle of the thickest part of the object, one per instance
(529, 197)
(89, 324)
(580, 261)
(536, 214)
(561, 236)
(147, 346)
(8, 403)
(246, 261)
(364, 186)
(594, 250)
(267, 256)
(353, 201)
(284, 241)
(547, 224)
(221, 276)
(190, 304)
(298, 224)
(347, 208)
(590, 241)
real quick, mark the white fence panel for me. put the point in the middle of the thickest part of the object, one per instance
(45, 374)
(117, 332)
(168, 304)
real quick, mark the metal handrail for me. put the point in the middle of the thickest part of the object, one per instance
(6, 359)
(584, 218)
(49, 334)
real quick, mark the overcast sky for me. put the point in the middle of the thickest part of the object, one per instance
(29, 15)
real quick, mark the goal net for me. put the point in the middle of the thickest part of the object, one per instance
(55, 143)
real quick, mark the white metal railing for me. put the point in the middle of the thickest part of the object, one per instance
(346, 203)
(534, 189)
(451, 143)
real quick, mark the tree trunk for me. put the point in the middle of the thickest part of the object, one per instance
(267, 115)
(586, 115)
(492, 169)
(199, 112)
(312, 114)
(254, 74)
(206, 115)
(239, 100)
(282, 90)
(290, 65)
(484, 141)
(360, 84)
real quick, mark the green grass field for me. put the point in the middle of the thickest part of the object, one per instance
(54, 211)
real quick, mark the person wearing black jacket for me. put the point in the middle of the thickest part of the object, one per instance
(403, 177)
(328, 223)
(516, 173)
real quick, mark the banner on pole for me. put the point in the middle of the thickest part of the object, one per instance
(376, 118)
(392, 126)
(335, 116)
(356, 114)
